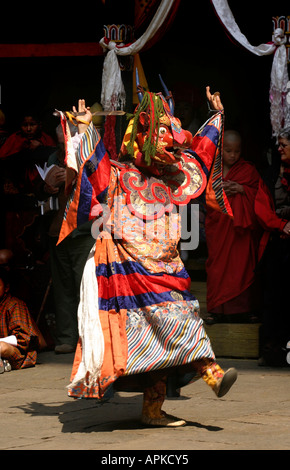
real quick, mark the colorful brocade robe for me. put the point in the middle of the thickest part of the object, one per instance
(148, 318)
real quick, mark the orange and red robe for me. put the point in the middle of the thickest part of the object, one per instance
(149, 318)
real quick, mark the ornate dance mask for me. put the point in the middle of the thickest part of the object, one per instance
(154, 135)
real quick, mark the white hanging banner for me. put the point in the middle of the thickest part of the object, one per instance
(113, 93)
(227, 18)
(279, 112)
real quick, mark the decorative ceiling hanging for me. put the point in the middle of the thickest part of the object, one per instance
(116, 44)
(112, 92)
(279, 108)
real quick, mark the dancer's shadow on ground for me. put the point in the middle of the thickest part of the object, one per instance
(86, 416)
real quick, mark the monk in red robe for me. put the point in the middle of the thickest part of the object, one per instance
(235, 244)
(22, 184)
(30, 136)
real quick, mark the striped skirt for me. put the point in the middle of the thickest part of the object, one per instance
(150, 322)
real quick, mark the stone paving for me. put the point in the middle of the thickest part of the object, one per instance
(37, 414)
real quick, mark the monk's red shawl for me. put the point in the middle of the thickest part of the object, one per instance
(235, 244)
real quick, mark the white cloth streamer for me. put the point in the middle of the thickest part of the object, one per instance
(90, 329)
(113, 93)
(279, 112)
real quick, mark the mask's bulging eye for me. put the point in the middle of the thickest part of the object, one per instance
(162, 131)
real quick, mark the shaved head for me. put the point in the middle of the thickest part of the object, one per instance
(232, 135)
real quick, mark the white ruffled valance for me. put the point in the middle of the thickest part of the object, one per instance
(279, 80)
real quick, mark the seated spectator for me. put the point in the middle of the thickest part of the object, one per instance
(15, 320)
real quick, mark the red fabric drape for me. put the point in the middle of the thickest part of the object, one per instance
(139, 20)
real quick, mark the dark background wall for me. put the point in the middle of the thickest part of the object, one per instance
(195, 50)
